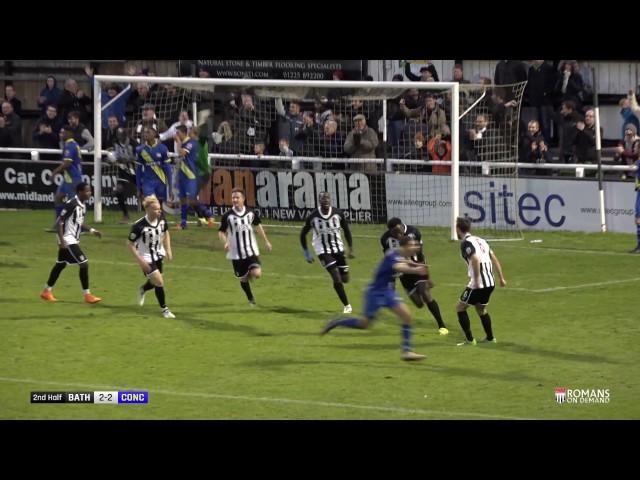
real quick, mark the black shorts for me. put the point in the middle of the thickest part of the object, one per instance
(126, 177)
(477, 296)
(72, 255)
(329, 260)
(155, 265)
(241, 267)
(410, 281)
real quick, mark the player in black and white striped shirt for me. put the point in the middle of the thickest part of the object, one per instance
(69, 225)
(326, 223)
(480, 260)
(236, 233)
(150, 242)
(418, 287)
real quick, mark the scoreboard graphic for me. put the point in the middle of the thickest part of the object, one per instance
(102, 398)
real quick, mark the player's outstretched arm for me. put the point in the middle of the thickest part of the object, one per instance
(496, 262)
(347, 236)
(264, 236)
(303, 242)
(404, 267)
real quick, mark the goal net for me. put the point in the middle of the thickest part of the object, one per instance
(382, 149)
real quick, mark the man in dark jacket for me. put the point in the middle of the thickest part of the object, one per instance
(13, 124)
(46, 133)
(569, 119)
(538, 95)
(585, 139)
(10, 96)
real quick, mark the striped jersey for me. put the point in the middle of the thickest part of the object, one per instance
(326, 231)
(188, 164)
(387, 241)
(148, 238)
(238, 225)
(72, 218)
(472, 245)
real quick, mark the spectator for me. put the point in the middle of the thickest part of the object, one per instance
(629, 110)
(419, 150)
(428, 73)
(13, 124)
(222, 138)
(148, 119)
(183, 119)
(323, 110)
(362, 142)
(110, 134)
(308, 137)
(538, 96)
(10, 96)
(140, 97)
(331, 142)
(248, 124)
(430, 114)
(290, 123)
(439, 148)
(509, 72)
(458, 75)
(338, 75)
(118, 107)
(482, 141)
(569, 84)
(395, 116)
(533, 148)
(73, 99)
(5, 136)
(46, 133)
(585, 139)
(49, 95)
(569, 118)
(81, 133)
(628, 151)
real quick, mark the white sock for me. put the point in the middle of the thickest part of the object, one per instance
(86, 292)
(47, 287)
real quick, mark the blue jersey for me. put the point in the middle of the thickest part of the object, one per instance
(151, 164)
(638, 175)
(71, 153)
(188, 167)
(385, 273)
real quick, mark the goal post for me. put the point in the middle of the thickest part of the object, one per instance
(408, 177)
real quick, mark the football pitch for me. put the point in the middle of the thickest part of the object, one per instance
(568, 318)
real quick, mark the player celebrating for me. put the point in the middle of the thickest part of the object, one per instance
(418, 287)
(236, 233)
(69, 225)
(187, 179)
(480, 260)
(72, 168)
(153, 172)
(149, 242)
(380, 294)
(326, 223)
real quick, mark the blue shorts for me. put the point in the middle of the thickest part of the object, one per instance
(158, 189)
(638, 204)
(187, 187)
(374, 300)
(69, 189)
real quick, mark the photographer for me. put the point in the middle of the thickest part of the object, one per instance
(362, 142)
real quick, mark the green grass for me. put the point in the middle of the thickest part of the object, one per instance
(221, 359)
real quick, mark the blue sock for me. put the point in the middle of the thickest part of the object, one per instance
(352, 322)
(183, 214)
(204, 211)
(406, 338)
(638, 234)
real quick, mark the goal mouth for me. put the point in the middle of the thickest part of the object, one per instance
(383, 148)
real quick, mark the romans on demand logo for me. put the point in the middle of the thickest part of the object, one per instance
(582, 395)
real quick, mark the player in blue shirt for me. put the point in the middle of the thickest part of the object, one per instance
(71, 168)
(153, 172)
(637, 249)
(187, 177)
(380, 293)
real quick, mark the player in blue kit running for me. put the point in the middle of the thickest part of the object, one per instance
(380, 293)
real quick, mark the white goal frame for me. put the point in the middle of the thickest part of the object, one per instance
(99, 81)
